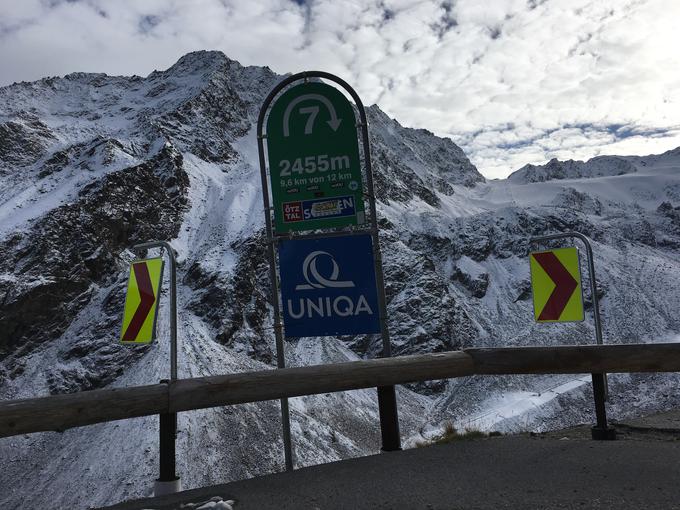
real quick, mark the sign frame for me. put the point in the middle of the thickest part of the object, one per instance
(389, 421)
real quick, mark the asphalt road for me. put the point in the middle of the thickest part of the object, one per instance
(561, 470)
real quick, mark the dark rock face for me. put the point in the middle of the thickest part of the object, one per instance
(423, 314)
(640, 231)
(98, 152)
(238, 307)
(393, 181)
(667, 210)
(570, 198)
(410, 163)
(218, 115)
(476, 284)
(23, 140)
(90, 357)
(58, 261)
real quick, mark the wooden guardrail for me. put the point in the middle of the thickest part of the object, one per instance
(60, 412)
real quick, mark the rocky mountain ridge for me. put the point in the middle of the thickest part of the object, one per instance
(599, 166)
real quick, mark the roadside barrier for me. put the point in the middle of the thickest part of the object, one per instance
(61, 412)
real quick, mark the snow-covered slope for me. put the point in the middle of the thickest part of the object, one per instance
(90, 164)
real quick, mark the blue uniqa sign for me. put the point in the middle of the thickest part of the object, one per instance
(328, 286)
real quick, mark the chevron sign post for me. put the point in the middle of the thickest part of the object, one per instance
(141, 301)
(556, 285)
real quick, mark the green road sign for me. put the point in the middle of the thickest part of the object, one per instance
(314, 163)
(141, 301)
(556, 285)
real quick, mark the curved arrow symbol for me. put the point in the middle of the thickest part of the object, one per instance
(147, 299)
(334, 123)
(565, 284)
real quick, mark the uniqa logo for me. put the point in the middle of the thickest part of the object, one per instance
(341, 306)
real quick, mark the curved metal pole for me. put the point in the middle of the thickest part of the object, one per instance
(278, 324)
(600, 383)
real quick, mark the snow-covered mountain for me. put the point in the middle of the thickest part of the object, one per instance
(91, 164)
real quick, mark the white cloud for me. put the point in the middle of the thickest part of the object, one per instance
(511, 81)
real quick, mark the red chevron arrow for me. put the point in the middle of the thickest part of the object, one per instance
(147, 300)
(565, 284)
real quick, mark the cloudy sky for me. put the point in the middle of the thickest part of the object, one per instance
(510, 81)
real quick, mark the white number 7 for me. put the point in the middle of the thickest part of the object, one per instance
(312, 111)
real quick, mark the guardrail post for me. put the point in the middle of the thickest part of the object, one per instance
(168, 482)
(387, 396)
(389, 421)
(601, 431)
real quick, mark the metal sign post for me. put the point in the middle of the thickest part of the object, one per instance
(601, 431)
(387, 398)
(315, 180)
(168, 482)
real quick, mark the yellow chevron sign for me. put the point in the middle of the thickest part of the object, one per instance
(556, 285)
(141, 301)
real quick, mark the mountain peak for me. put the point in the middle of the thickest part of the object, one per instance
(199, 61)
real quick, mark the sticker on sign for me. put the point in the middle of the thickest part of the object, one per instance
(319, 209)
